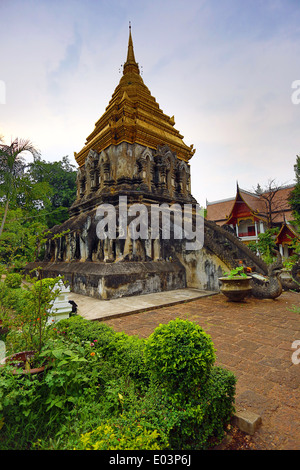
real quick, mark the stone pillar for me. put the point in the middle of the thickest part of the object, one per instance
(84, 249)
(255, 225)
(119, 255)
(72, 246)
(67, 256)
(82, 185)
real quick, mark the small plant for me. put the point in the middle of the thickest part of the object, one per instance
(288, 264)
(265, 246)
(125, 434)
(239, 271)
(29, 326)
(294, 309)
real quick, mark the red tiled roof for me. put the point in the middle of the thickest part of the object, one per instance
(219, 211)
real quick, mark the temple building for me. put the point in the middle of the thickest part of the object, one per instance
(249, 214)
(135, 158)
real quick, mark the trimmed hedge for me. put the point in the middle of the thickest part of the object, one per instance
(180, 356)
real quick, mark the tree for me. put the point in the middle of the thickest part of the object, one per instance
(294, 198)
(12, 168)
(61, 178)
(19, 240)
(265, 246)
(272, 204)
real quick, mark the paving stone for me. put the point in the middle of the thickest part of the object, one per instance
(274, 362)
(247, 421)
(290, 379)
(249, 345)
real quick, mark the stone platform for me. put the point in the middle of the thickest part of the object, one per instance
(96, 309)
(106, 281)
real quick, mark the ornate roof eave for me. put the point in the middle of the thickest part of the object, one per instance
(290, 229)
(252, 214)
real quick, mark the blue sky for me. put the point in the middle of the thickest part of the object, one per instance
(223, 68)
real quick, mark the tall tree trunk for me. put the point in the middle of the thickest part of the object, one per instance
(4, 217)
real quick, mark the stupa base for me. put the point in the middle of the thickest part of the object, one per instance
(114, 280)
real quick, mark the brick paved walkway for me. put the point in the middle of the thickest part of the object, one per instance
(254, 340)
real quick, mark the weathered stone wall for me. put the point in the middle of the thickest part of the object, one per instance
(203, 269)
(114, 280)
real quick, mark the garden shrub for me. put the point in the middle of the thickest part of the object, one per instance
(21, 410)
(217, 401)
(201, 422)
(78, 329)
(12, 298)
(124, 353)
(180, 355)
(122, 434)
(30, 310)
(33, 407)
(13, 280)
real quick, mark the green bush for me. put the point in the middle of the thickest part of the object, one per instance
(217, 398)
(13, 280)
(122, 434)
(180, 355)
(22, 415)
(12, 298)
(78, 329)
(31, 321)
(202, 422)
(33, 407)
(124, 353)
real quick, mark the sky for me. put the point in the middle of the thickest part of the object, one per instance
(228, 70)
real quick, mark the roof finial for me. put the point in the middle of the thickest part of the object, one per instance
(130, 64)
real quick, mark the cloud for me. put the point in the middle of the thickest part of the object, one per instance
(66, 68)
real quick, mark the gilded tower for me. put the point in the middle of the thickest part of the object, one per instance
(134, 149)
(134, 153)
(134, 116)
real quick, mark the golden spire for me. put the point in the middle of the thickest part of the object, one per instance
(134, 116)
(130, 64)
